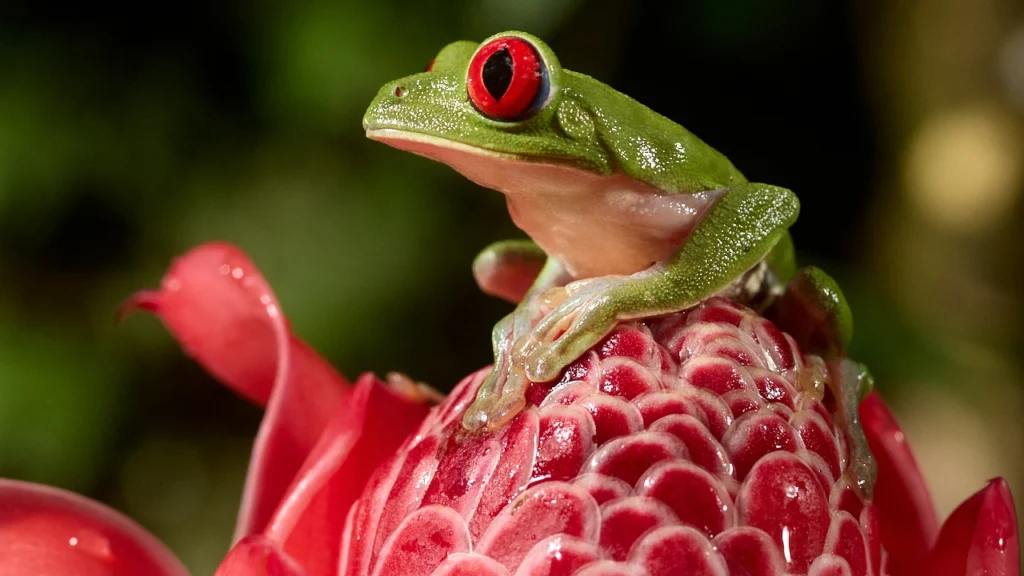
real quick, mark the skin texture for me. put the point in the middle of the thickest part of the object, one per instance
(635, 214)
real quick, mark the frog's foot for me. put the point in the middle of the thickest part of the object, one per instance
(490, 405)
(814, 311)
(502, 394)
(500, 397)
(584, 312)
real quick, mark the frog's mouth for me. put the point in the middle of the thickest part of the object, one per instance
(439, 149)
(510, 174)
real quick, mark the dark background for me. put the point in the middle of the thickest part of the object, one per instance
(128, 135)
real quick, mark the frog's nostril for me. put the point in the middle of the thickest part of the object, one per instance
(400, 91)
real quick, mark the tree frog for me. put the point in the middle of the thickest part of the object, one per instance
(629, 214)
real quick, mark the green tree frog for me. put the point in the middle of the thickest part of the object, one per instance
(630, 214)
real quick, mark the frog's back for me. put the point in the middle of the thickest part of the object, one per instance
(646, 145)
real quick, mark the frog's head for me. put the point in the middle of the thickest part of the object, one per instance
(494, 109)
(506, 97)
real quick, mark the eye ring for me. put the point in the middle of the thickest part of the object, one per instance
(507, 79)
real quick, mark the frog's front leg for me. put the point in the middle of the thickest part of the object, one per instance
(737, 232)
(503, 393)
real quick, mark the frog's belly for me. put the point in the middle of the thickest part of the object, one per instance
(615, 226)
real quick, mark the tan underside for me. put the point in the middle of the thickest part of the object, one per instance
(595, 225)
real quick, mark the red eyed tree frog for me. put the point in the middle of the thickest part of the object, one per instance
(630, 214)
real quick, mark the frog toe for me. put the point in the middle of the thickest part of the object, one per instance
(500, 397)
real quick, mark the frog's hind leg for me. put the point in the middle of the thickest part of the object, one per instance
(737, 233)
(814, 311)
(507, 269)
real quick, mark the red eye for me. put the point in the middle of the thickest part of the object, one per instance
(506, 79)
(430, 66)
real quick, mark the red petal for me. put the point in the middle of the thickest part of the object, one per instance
(301, 407)
(980, 536)
(221, 309)
(908, 523)
(258, 556)
(363, 432)
(45, 530)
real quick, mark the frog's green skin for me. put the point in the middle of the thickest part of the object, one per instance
(634, 215)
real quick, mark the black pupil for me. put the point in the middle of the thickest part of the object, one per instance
(497, 73)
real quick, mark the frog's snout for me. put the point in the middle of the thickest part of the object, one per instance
(392, 94)
(424, 102)
(385, 104)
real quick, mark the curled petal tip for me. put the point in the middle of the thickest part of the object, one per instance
(222, 311)
(980, 537)
(148, 300)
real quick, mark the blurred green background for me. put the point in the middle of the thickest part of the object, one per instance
(128, 136)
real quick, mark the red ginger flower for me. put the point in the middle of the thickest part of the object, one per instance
(682, 443)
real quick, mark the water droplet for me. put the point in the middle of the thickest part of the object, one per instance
(93, 543)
